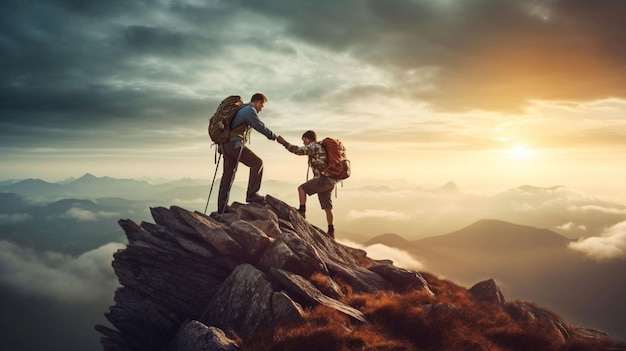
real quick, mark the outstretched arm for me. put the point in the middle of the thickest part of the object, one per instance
(295, 149)
(250, 116)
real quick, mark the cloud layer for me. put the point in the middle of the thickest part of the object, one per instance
(610, 245)
(87, 278)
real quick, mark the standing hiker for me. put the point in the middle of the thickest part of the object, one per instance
(321, 184)
(236, 150)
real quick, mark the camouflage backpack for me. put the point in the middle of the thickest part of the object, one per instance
(219, 123)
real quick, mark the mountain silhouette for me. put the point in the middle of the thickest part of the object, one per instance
(489, 234)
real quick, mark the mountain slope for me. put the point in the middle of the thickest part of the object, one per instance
(533, 264)
(263, 278)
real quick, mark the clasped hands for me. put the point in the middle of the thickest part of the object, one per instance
(281, 140)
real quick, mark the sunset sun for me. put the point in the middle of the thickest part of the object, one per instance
(520, 152)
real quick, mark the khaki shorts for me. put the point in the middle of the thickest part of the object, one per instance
(323, 187)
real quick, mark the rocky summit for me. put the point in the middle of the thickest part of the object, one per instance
(196, 282)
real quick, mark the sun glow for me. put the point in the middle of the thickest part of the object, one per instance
(521, 152)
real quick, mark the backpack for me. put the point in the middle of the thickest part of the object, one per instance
(219, 123)
(338, 166)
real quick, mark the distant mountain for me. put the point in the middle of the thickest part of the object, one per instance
(11, 203)
(71, 226)
(489, 234)
(8, 181)
(529, 263)
(450, 188)
(35, 188)
(389, 239)
(90, 187)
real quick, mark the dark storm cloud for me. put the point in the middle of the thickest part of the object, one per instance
(70, 66)
(489, 54)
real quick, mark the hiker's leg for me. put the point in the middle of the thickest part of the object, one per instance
(301, 196)
(326, 202)
(255, 163)
(308, 188)
(330, 217)
(230, 161)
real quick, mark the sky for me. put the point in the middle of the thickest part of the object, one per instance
(486, 93)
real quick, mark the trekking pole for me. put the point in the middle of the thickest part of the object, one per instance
(213, 182)
(232, 179)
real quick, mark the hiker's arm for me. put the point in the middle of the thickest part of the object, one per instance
(298, 150)
(252, 118)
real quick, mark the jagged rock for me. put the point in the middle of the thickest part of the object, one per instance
(262, 218)
(242, 303)
(243, 273)
(144, 322)
(195, 336)
(311, 294)
(487, 291)
(211, 232)
(176, 281)
(191, 281)
(252, 238)
(521, 310)
(167, 218)
(285, 309)
(401, 279)
(293, 252)
(360, 279)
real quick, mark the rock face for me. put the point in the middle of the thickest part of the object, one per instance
(192, 282)
(189, 278)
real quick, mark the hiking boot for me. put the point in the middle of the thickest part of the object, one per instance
(331, 233)
(255, 198)
(226, 209)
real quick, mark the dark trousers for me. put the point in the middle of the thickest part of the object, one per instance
(248, 158)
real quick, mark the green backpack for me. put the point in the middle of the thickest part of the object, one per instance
(219, 123)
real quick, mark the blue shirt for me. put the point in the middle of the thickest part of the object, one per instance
(248, 115)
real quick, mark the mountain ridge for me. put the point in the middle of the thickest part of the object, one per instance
(251, 278)
(523, 258)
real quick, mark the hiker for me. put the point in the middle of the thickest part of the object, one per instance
(321, 184)
(235, 149)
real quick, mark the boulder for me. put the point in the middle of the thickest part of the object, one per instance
(487, 291)
(195, 336)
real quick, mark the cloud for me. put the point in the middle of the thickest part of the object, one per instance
(83, 215)
(381, 252)
(474, 46)
(83, 279)
(378, 213)
(415, 212)
(15, 218)
(611, 245)
(571, 226)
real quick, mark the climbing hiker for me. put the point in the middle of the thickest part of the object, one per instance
(322, 184)
(235, 151)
